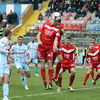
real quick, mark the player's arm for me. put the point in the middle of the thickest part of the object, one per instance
(84, 62)
(61, 31)
(2, 48)
(87, 57)
(55, 49)
(28, 58)
(76, 57)
(38, 38)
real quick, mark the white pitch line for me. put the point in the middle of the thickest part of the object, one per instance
(41, 94)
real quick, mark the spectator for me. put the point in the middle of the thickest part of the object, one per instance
(98, 13)
(1, 30)
(1, 17)
(40, 17)
(9, 17)
(14, 18)
(39, 4)
(4, 21)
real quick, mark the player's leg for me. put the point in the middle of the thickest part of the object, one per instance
(87, 76)
(23, 78)
(50, 73)
(9, 65)
(98, 75)
(92, 75)
(1, 75)
(60, 79)
(72, 77)
(27, 73)
(42, 57)
(58, 66)
(6, 86)
(36, 67)
(1, 79)
(43, 74)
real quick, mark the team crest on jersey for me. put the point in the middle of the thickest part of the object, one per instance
(50, 55)
(48, 32)
(66, 55)
(95, 58)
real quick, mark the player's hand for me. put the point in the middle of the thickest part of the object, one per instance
(55, 49)
(83, 66)
(10, 52)
(40, 43)
(77, 62)
(27, 62)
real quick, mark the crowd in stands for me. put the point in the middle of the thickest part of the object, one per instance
(80, 7)
(5, 19)
(10, 19)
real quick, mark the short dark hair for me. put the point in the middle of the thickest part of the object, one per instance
(7, 32)
(68, 37)
(93, 37)
(20, 37)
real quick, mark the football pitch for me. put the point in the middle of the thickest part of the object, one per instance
(37, 92)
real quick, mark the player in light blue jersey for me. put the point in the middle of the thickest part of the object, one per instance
(32, 48)
(4, 70)
(21, 58)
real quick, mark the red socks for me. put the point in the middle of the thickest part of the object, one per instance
(58, 66)
(43, 76)
(97, 77)
(50, 72)
(60, 81)
(86, 77)
(72, 77)
(92, 75)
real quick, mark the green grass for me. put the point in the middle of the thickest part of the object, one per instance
(36, 87)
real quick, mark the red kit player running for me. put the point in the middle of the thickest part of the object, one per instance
(94, 55)
(47, 43)
(56, 55)
(93, 40)
(67, 51)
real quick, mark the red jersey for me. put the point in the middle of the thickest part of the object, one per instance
(94, 56)
(48, 34)
(67, 54)
(97, 45)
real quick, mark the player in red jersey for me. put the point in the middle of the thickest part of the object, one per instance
(59, 58)
(67, 50)
(47, 43)
(94, 55)
(93, 40)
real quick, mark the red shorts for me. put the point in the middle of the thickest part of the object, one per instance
(69, 67)
(45, 52)
(8, 62)
(92, 66)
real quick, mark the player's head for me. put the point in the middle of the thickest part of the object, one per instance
(7, 33)
(92, 46)
(93, 39)
(20, 40)
(56, 18)
(68, 40)
(32, 39)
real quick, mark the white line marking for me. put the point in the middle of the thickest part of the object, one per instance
(41, 94)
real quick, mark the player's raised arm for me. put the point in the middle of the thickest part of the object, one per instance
(38, 38)
(55, 49)
(84, 62)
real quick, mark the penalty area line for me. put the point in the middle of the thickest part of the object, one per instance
(49, 93)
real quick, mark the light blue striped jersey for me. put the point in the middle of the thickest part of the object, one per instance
(32, 48)
(3, 50)
(20, 52)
